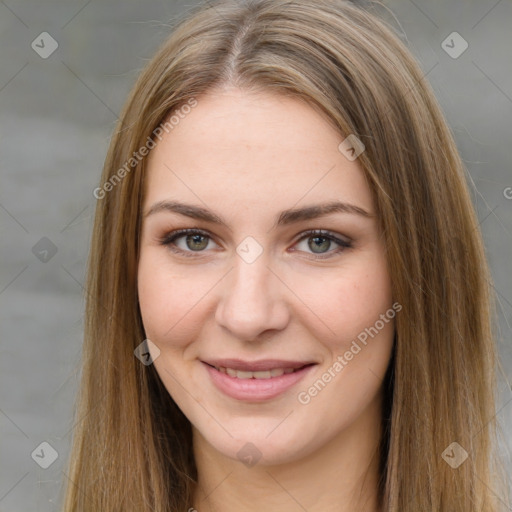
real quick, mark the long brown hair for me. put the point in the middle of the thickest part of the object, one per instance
(132, 445)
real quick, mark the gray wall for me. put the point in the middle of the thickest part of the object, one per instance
(57, 114)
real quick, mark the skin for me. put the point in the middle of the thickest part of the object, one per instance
(246, 157)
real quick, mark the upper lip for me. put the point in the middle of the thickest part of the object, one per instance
(254, 366)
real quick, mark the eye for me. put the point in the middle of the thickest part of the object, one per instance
(319, 242)
(196, 241)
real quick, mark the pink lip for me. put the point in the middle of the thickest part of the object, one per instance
(256, 390)
(254, 366)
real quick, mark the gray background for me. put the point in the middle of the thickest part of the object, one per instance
(57, 115)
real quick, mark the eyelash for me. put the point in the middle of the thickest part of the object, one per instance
(169, 239)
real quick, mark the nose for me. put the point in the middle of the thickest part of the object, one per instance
(252, 300)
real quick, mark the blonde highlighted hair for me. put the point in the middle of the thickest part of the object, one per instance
(132, 445)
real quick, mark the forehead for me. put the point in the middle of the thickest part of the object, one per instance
(253, 149)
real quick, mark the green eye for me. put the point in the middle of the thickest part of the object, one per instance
(324, 243)
(196, 241)
(319, 242)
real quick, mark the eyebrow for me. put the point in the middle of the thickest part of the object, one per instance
(286, 217)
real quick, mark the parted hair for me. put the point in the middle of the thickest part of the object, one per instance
(132, 446)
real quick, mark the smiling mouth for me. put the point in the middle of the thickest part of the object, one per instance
(261, 374)
(256, 381)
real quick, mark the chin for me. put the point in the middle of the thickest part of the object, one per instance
(263, 446)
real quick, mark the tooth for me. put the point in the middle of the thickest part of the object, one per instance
(243, 375)
(262, 375)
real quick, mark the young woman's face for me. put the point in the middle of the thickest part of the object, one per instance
(251, 289)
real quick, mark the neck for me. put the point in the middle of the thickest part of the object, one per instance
(341, 476)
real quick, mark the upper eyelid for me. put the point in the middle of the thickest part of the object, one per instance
(178, 233)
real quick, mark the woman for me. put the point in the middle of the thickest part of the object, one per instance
(288, 301)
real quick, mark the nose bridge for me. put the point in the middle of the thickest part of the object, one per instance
(251, 301)
(252, 280)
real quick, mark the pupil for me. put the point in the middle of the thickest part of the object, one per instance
(197, 241)
(325, 244)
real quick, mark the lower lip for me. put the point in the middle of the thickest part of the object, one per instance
(255, 390)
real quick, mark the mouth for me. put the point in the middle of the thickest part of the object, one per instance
(258, 380)
(261, 374)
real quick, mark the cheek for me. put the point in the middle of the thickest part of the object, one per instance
(167, 300)
(358, 308)
(349, 300)
(365, 323)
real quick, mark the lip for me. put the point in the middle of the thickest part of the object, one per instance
(255, 366)
(256, 390)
